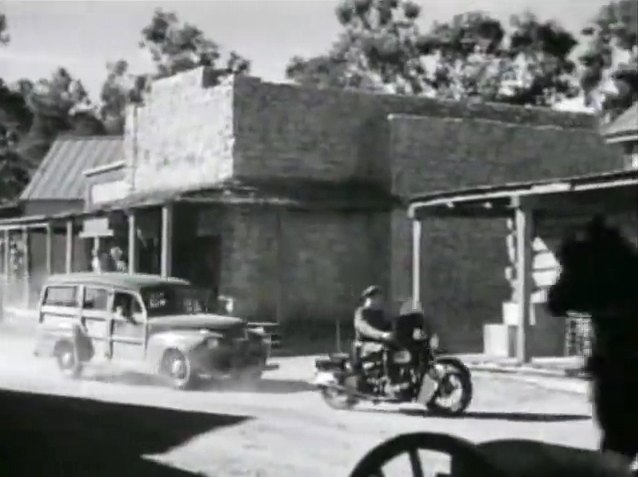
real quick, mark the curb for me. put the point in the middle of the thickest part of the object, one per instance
(547, 379)
(528, 371)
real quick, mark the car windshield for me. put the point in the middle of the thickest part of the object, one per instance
(169, 300)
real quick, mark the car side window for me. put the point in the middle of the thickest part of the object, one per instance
(126, 305)
(95, 299)
(62, 295)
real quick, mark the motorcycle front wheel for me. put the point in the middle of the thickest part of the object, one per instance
(454, 392)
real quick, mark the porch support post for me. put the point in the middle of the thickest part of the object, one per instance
(26, 265)
(416, 261)
(167, 240)
(7, 266)
(68, 264)
(49, 249)
(523, 219)
(132, 243)
(279, 265)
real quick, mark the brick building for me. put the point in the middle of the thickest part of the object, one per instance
(293, 199)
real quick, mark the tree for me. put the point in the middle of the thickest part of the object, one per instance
(382, 49)
(59, 104)
(610, 74)
(15, 120)
(119, 89)
(174, 47)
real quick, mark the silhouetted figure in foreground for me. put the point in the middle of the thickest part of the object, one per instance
(599, 277)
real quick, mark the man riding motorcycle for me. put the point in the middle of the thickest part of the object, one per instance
(373, 331)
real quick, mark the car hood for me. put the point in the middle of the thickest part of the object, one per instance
(194, 322)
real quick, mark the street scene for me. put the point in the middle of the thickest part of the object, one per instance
(358, 238)
(283, 427)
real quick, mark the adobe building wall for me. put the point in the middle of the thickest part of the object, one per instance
(293, 132)
(301, 267)
(463, 260)
(183, 135)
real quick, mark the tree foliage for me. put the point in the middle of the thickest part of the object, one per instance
(174, 47)
(610, 73)
(381, 48)
(31, 117)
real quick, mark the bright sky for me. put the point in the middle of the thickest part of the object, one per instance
(84, 35)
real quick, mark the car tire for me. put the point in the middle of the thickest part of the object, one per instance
(176, 368)
(249, 375)
(67, 361)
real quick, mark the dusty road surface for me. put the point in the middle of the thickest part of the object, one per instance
(281, 428)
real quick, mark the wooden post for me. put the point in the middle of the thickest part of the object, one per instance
(68, 264)
(167, 240)
(279, 236)
(416, 262)
(25, 266)
(132, 243)
(523, 220)
(7, 266)
(49, 249)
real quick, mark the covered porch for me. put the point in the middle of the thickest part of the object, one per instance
(538, 215)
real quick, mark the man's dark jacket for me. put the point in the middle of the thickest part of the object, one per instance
(370, 324)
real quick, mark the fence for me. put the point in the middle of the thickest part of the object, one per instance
(578, 335)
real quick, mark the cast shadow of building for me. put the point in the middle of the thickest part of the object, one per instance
(55, 435)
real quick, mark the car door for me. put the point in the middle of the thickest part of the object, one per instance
(128, 329)
(97, 318)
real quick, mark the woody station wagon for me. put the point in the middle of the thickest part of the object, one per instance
(161, 325)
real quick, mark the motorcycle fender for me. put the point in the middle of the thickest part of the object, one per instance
(428, 388)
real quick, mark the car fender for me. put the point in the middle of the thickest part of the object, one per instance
(184, 341)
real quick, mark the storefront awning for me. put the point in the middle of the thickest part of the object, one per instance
(559, 196)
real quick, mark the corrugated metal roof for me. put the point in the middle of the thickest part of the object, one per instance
(60, 175)
(625, 124)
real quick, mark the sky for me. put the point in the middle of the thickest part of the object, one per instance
(84, 35)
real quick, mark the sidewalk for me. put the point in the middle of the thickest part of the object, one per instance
(559, 374)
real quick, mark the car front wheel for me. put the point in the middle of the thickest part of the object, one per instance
(177, 370)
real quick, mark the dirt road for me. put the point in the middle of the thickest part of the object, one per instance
(282, 428)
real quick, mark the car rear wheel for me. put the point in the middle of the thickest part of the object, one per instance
(66, 358)
(177, 370)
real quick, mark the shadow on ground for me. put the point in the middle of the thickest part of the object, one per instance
(502, 416)
(506, 416)
(264, 385)
(55, 435)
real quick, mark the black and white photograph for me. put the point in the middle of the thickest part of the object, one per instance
(319, 238)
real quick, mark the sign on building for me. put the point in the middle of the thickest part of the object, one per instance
(107, 191)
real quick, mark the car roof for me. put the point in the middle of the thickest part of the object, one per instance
(133, 281)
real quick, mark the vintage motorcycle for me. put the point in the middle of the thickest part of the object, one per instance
(408, 370)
